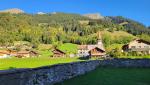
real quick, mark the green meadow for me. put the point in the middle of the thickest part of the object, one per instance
(112, 76)
(13, 63)
(46, 58)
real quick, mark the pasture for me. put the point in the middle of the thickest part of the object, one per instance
(13, 63)
(112, 76)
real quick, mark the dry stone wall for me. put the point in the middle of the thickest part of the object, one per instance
(49, 75)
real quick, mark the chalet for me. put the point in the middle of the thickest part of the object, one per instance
(19, 54)
(4, 54)
(96, 50)
(58, 53)
(26, 54)
(22, 54)
(137, 45)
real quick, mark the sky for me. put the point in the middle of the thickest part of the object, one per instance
(138, 10)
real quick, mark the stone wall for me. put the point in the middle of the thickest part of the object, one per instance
(49, 75)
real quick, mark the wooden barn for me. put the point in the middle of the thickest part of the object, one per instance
(58, 53)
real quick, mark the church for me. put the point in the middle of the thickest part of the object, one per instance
(96, 50)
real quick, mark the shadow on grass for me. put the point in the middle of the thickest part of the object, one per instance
(84, 58)
(10, 68)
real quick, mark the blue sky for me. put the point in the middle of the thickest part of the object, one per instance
(135, 9)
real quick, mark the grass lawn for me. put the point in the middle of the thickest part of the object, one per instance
(112, 76)
(68, 47)
(32, 62)
(135, 57)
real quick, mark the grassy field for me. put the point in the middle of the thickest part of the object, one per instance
(68, 47)
(43, 60)
(112, 76)
(32, 62)
(136, 57)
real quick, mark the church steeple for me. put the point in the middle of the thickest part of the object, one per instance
(99, 39)
(99, 35)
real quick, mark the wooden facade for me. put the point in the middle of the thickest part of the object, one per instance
(92, 50)
(26, 54)
(137, 45)
(97, 52)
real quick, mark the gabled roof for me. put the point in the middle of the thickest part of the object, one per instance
(54, 50)
(138, 40)
(82, 47)
(141, 40)
(23, 52)
(90, 47)
(4, 52)
(98, 49)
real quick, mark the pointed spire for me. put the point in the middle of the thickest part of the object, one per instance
(99, 35)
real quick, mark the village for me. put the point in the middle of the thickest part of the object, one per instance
(96, 50)
(75, 42)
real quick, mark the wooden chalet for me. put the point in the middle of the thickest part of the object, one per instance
(4, 54)
(58, 53)
(96, 52)
(26, 54)
(137, 45)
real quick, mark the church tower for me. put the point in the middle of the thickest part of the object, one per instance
(99, 41)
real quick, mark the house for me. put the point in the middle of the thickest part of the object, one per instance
(4, 54)
(91, 50)
(96, 50)
(137, 45)
(26, 54)
(34, 53)
(23, 54)
(58, 53)
(19, 54)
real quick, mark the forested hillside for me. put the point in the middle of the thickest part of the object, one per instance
(131, 26)
(65, 28)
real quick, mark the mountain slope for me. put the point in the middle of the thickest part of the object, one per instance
(94, 16)
(131, 26)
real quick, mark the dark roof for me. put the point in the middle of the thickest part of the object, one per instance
(90, 47)
(58, 51)
(125, 46)
(141, 40)
(98, 49)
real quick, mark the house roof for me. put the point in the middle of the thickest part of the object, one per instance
(23, 52)
(99, 49)
(4, 52)
(54, 50)
(82, 47)
(141, 40)
(90, 47)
